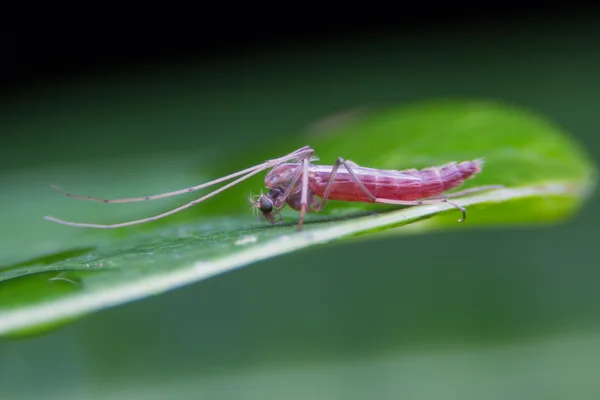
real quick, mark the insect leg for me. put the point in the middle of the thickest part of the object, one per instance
(165, 214)
(304, 193)
(457, 194)
(301, 153)
(426, 201)
(281, 199)
(347, 164)
(472, 190)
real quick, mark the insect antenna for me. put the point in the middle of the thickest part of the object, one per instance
(253, 206)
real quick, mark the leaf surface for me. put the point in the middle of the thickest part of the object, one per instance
(52, 274)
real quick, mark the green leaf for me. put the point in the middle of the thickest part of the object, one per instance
(53, 274)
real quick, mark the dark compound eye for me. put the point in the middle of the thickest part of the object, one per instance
(266, 205)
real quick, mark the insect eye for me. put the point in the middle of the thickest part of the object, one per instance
(266, 205)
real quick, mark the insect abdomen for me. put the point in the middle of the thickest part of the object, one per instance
(395, 185)
(437, 180)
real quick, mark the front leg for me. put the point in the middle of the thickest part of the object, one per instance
(304, 193)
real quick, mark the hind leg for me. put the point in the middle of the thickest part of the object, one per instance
(425, 201)
(469, 191)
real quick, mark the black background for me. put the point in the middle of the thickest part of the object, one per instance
(50, 42)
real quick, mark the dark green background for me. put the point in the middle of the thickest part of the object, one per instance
(498, 313)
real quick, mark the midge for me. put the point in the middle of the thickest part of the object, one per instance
(294, 181)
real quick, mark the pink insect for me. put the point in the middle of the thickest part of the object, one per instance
(294, 181)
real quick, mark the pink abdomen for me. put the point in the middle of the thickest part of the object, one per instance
(409, 184)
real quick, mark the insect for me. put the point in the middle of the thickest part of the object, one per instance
(294, 181)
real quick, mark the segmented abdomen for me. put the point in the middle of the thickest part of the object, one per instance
(393, 185)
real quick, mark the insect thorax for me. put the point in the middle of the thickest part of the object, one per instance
(281, 176)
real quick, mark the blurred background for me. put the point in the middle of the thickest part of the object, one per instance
(515, 316)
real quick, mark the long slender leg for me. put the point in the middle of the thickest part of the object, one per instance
(471, 190)
(304, 194)
(339, 162)
(422, 202)
(154, 218)
(304, 153)
(301, 153)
